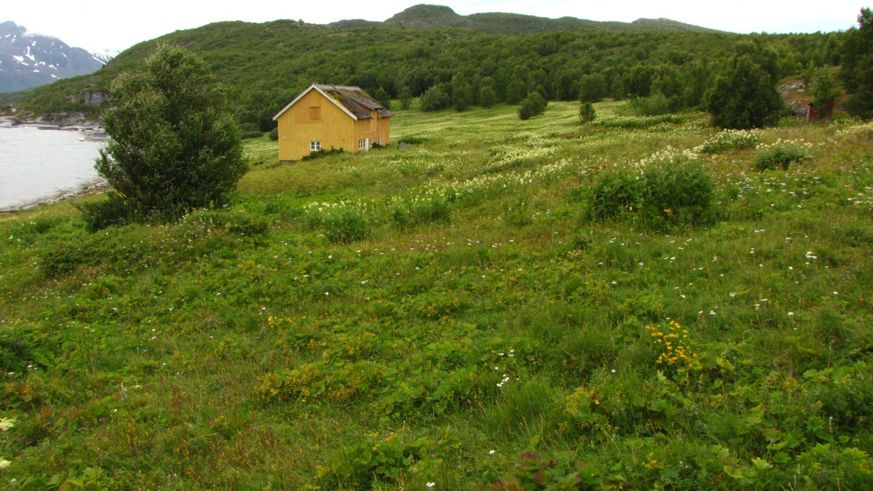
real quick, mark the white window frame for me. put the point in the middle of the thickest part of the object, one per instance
(364, 144)
(315, 146)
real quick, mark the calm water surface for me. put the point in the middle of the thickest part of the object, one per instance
(38, 164)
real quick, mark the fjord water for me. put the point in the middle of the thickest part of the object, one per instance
(39, 164)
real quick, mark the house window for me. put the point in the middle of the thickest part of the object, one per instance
(315, 146)
(363, 144)
(315, 113)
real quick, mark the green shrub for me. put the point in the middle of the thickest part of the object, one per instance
(341, 222)
(175, 144)
(436, 98)
(653, 105)
(111, 212)
(664, 195)
(743, 96)
(779, 157)
(616, 193)
(677, 194)
(274, 134)
(532, 105)
(346, 226)
(587, 113)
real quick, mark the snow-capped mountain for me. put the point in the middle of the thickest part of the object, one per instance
(28, 60)
(105, 55)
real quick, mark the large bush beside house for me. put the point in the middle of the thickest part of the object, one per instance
(175, 144)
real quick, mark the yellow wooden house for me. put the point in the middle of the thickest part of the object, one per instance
(326, 117)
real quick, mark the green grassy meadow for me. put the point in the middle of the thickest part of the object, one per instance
(448, 315)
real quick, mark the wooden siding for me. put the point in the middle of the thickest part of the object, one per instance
(314, 118)
(298, 127)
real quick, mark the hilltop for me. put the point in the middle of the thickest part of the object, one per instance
(437, 16)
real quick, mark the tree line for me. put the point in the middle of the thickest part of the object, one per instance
(266, 65)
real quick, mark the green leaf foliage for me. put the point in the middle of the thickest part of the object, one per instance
(533, 105)
(857, 65)
(174, 144)
(743, 96)
(587, 112)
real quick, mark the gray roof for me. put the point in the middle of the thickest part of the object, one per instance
(355, 100)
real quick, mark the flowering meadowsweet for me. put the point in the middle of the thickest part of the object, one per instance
(4, 463)
(6, 423)
(730, 139)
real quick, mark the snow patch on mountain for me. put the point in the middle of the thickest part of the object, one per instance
(29, 59)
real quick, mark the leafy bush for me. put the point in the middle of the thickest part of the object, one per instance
(856, 72)
(616, 193)
(487, 95)
(731, 140)
(175, 145)
(436, 98)
(664, 195)
(111, 212)
(341, 222)
(587, 113)
(652, 105)
(779, 157)
(678, 194)
(532, 105)
(743, 96)
(274, 134)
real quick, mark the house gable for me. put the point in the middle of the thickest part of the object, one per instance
(325, 117)
(323, 94)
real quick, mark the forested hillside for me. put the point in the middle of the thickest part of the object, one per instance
(265, 65)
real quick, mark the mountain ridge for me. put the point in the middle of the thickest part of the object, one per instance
(426, 16)
(29, 60)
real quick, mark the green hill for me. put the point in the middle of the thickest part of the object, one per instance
(266, 65)
(449, 315)
(437, 16)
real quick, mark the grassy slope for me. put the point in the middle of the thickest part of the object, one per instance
(215, 353)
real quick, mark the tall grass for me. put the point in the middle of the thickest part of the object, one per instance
(448, 315)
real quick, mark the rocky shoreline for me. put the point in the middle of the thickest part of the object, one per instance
(90, 132)
(95, 186)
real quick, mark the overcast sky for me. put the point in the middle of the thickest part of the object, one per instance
(115, 24)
